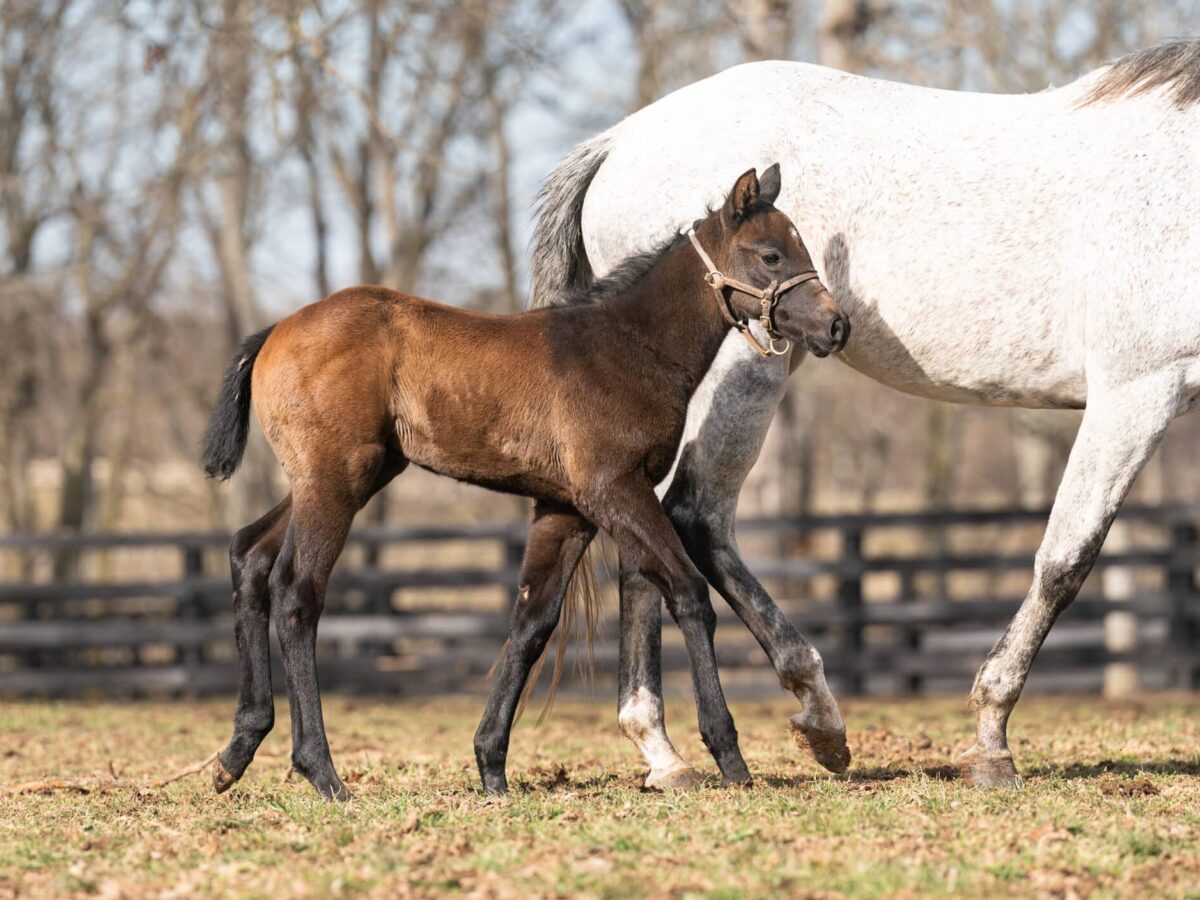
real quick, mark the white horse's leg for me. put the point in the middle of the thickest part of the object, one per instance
(727, 424)
(707, 530)
(1120, 430)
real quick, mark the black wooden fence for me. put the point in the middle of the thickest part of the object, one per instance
(897, 603)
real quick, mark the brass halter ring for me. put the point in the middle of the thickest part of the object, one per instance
(767, 321)
(716, 280)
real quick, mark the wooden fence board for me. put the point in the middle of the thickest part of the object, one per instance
(131, 636)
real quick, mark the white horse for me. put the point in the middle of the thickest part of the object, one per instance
(1038, 250)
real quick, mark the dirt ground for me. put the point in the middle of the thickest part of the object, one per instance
(1110, 806)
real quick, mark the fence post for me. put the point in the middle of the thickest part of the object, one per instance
(849, 597)
(1183, 629)
(378, 598)
(1120, 626)
(909, 640)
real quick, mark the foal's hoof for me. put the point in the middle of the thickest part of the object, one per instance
(334, 790)
(327, 784)
(826, 745)
(223, 780)
(737, 781)
(991, 770)
(684, 778)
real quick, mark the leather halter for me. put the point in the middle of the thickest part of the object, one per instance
(769, 297)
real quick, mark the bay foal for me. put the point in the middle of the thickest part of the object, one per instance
(580, 407)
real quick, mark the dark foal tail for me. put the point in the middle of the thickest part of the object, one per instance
(583, 596)
(225, 440)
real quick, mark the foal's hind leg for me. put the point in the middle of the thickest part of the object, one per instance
(1120, 430)
(251, 556)
(325, 502)
(558, 538)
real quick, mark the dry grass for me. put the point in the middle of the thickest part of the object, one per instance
(1110, 806)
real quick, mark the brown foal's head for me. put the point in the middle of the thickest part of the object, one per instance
(760, 245)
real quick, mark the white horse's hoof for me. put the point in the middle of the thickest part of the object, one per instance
(993, 769)
(684, 778)
(826, 745)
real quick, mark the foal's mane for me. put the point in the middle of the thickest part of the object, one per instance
(1174, 63)
(623, 276)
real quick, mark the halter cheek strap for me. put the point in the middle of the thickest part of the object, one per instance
(769, 297)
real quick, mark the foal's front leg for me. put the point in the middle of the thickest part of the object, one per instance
(631, 513)
(727, 424)
(558, 538)
(640, 707)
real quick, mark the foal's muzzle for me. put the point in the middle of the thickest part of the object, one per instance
(815, 320)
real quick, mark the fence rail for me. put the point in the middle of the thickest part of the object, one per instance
(897, 603)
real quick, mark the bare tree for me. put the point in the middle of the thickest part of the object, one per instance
(766, 28)
(123, 240)
(31, 44)
(844, 25)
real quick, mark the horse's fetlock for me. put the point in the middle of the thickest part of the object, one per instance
(799, 668)
(489, 755)
(639, 715)
(996, 687)
(719, 736)
(256, 724)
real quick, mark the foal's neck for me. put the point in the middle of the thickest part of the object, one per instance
(673, 312)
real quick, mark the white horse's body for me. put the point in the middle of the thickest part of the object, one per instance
(984, 246)
(1039, 250)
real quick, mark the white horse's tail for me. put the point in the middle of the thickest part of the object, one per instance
(560, 262)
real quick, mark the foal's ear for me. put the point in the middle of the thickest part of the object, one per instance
(741, 199)
(769, 184)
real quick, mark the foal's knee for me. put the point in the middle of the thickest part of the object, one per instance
(689, 603)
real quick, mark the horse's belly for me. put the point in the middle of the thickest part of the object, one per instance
(957, 357)
(468, 437)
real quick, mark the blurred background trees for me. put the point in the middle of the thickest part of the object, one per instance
(176, 174)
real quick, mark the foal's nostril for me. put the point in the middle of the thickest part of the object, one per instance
(839, 331)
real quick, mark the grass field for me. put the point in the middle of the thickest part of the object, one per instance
(1111, 805)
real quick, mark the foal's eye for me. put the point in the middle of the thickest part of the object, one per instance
(771, 258)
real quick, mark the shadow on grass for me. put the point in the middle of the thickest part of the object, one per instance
(866, 775)
(881, 774)
(558, 779)
(1118, 767)
(550, 780)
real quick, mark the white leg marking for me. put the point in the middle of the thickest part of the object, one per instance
(641, 720)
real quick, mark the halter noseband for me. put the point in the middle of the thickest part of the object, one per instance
(768, 297)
